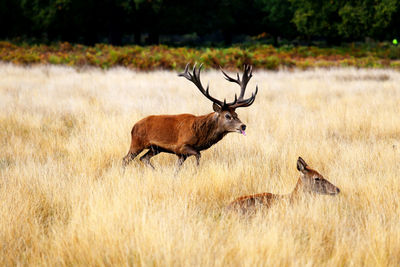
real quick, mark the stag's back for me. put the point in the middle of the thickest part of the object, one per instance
(163, 130)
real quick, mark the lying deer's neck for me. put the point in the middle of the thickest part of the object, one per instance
(297, 191)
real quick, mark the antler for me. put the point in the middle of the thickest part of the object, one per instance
(195, 78)
(247, 74)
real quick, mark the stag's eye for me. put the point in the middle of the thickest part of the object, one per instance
(317, 179)
(228, 117)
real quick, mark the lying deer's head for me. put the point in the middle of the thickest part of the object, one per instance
(227, 118)
(313, 182)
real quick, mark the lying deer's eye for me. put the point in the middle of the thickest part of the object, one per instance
(228, 117)
(317, 179)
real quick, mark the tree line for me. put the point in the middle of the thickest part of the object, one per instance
(146, 21)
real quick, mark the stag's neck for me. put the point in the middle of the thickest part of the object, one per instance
(206, 130)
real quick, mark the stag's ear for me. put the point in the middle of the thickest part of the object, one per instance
(301, 164)
(217, 108)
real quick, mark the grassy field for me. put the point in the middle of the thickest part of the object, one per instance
(65, 201)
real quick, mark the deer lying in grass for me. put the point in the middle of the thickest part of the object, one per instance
(310, 182)
(186, 134)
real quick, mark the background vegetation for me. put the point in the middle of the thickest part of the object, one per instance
(377, 55)
(64, 200)
(166, 34)
(204, 22)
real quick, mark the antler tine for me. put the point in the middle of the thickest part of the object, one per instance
(230, 79)
(246, 102)
(194, 77)
(186, 68)
(185, 73)
(196, 72)
(247, 74)
(195, 69)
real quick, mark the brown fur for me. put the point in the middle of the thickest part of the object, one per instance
(310, 181)
(184, 135)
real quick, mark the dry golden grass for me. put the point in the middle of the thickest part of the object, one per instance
(65, 201)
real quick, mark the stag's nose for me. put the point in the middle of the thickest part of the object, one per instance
(243, 127)
(337, 190)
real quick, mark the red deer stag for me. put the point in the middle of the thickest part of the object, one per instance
(186, 134)
(310, 181)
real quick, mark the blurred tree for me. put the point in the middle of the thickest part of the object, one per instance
(356, 19)
(207, 17)
(315, 18)
(12, 21)
(386, 19)
(277, 18)
(366, 18)
(346, 20)
(113, 21)
(148, 19)
(42, 15)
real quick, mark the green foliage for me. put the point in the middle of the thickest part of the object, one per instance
(316, 18)
(212, 22)
(43, 13)
(384, 16)
(175, 58)
(155, 4)
(355, 20)
(277, 17)
(346, 20)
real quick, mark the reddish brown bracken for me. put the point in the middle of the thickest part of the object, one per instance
(309, 182)
(186, 134)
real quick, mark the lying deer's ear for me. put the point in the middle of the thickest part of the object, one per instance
(301, 164)
(217, 108)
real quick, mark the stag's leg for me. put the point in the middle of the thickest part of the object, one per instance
(134, 150)
(181, 160)
(198, 156)
(146, 157)
(129, 157)
(187, 151)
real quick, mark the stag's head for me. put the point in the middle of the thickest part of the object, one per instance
(313, 182)
(227, 118)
